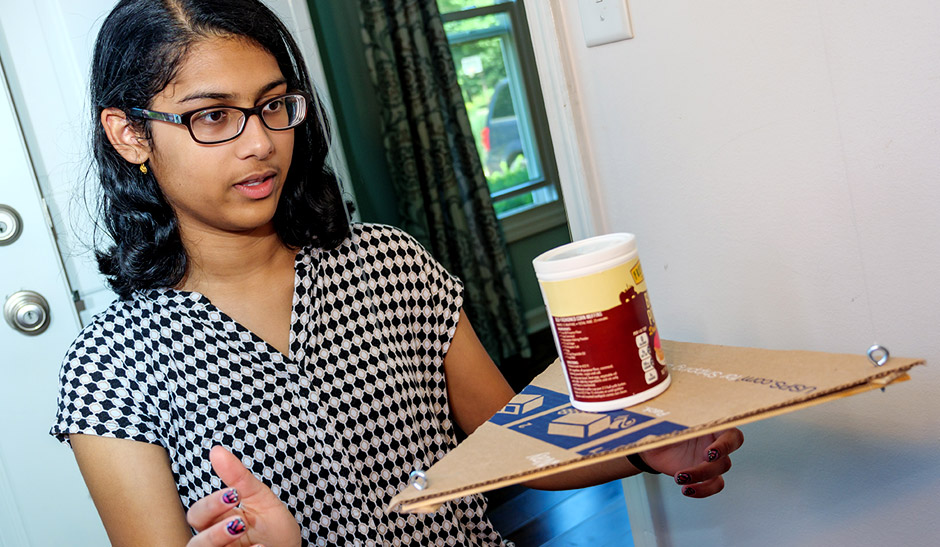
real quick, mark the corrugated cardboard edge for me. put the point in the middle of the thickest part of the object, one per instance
(416, 503)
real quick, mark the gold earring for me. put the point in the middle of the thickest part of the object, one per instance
(143, 168)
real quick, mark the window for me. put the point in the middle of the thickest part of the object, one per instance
(496, 71)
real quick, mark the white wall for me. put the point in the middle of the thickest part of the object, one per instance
(779, 163)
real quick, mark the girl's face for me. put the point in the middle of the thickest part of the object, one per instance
(232, 186)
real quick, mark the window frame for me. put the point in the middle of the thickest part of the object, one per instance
(521, 69)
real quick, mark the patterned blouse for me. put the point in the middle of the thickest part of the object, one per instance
(334, 428)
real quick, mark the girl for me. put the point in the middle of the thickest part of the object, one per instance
(269, 373)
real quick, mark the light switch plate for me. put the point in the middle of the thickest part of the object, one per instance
(605, 21)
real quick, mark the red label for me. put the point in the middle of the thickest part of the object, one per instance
(614, 353)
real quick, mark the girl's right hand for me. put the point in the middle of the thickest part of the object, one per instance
(246, 513)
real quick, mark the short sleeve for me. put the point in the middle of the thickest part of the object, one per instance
(430, 295)
(440, 297)
(103, 386)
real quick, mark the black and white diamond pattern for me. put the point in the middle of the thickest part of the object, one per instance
(334, 428)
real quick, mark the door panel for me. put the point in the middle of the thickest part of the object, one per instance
(42, 495)
(46, 48)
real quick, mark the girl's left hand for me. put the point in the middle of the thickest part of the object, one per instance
(247, 513)
(697, 464)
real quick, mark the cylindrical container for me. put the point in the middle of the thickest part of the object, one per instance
(603, 323)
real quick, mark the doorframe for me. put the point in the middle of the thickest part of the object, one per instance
(563, 108)
(580, 192)
(301, 25)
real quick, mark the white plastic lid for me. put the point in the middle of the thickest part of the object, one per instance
(584, 253)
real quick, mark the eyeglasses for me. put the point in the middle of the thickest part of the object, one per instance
(220, 124)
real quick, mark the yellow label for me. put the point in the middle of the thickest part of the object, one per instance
(595, 292)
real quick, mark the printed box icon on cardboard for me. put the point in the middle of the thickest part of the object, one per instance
(580, 424)
(523, 404)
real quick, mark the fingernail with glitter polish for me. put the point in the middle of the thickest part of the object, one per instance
(713, 455)
(235, 527)
(683, 478)
(688, 491)
(230, 496)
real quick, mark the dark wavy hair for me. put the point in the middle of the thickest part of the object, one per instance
(137, 54)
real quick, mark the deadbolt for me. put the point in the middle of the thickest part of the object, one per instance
(27, 312)
(10, 225)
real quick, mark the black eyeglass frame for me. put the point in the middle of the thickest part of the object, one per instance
(186, 117)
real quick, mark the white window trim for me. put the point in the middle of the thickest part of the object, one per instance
(533, 221)
(562, 107)
(578, 187)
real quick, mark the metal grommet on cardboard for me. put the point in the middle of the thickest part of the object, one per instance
(418, 479)
(878, 355)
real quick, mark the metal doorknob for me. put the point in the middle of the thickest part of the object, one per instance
(27, 312)
(10, 225)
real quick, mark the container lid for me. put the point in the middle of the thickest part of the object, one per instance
(583, 253)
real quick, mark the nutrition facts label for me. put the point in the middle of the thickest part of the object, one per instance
(578, 341)
(608, 355)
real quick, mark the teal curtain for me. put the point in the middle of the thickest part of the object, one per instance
(443, 198)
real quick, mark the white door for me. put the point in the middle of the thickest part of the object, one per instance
(43, 500)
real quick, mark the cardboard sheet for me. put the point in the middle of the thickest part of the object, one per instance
(713, 388)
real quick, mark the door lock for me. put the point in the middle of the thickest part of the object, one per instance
(10, 225)
(27, 312)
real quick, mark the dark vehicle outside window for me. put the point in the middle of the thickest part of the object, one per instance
(500, 137)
